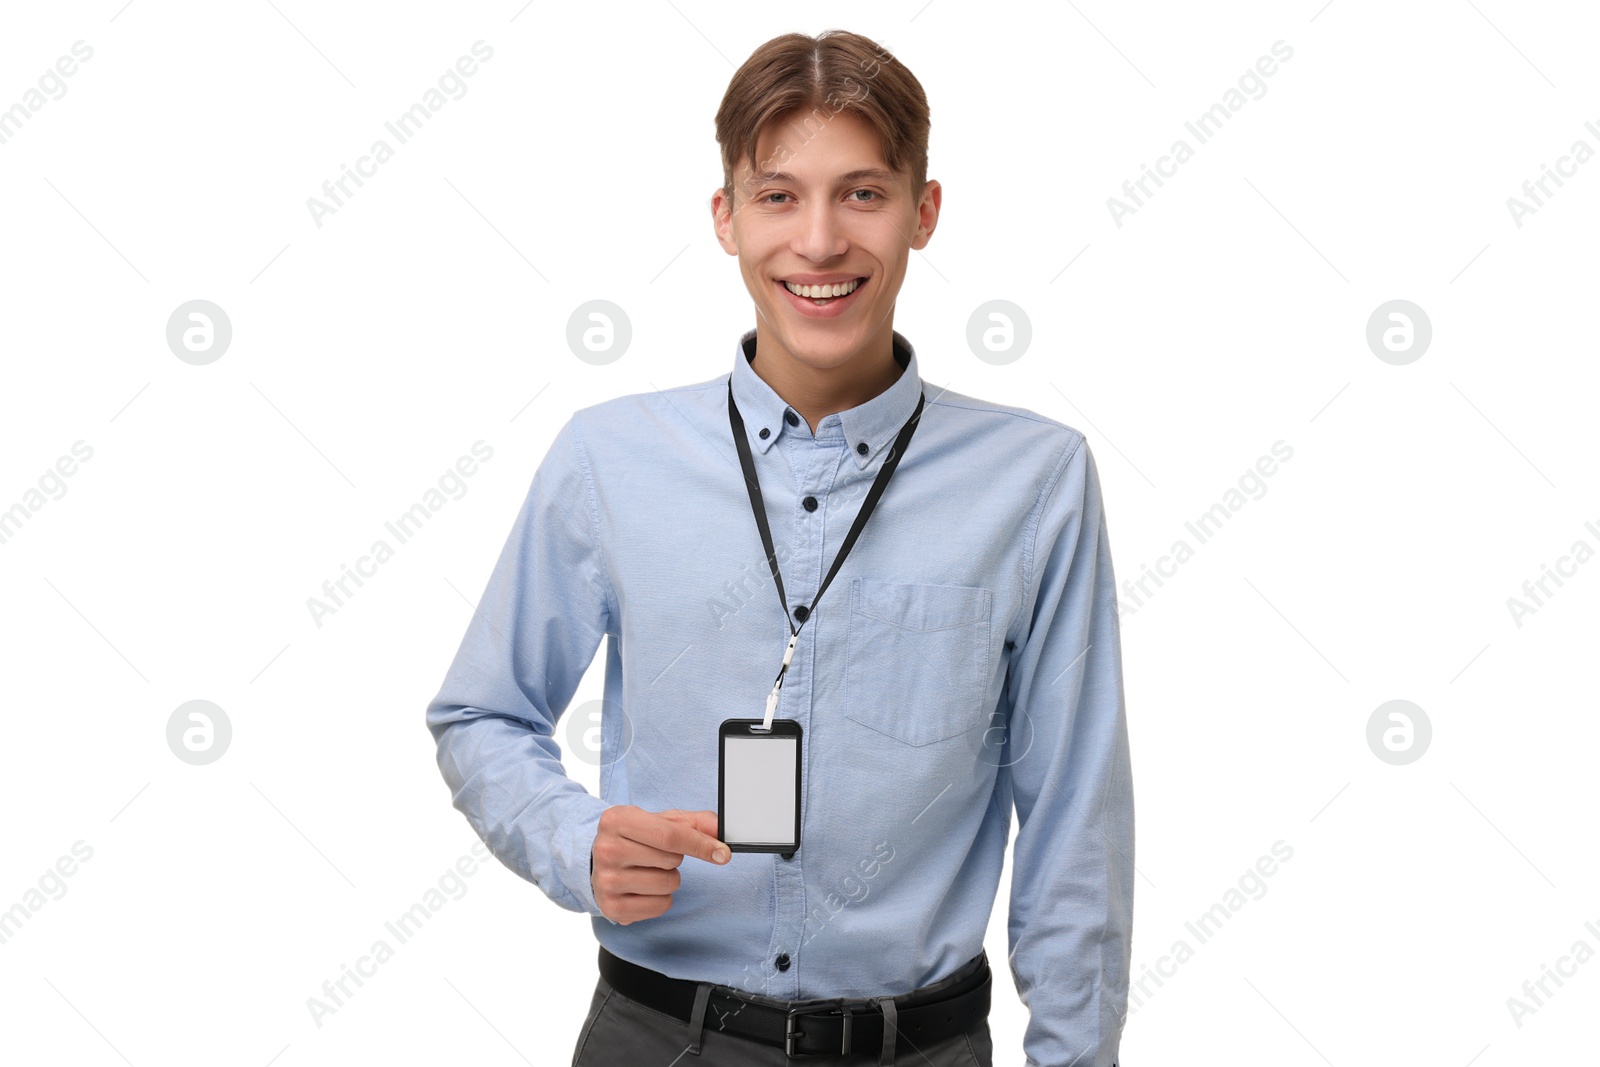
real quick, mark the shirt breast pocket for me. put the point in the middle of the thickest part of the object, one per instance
(917, 658)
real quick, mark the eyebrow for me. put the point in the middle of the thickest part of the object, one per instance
(863, 174)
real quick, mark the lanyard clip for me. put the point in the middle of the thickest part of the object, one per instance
(772, 705)
(772, 697)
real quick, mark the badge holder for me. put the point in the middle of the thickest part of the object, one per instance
(758, 786)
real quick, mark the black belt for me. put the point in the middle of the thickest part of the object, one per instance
(835, 1027)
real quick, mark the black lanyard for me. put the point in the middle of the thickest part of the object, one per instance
(760, 509)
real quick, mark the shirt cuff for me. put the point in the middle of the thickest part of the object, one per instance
(574, 854)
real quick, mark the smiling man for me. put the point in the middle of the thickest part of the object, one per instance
(929, 576)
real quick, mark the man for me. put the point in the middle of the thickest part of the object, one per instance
(965, 660)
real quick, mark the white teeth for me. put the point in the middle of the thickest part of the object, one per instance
(815, 291)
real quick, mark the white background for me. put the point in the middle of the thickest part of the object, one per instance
(430, 312)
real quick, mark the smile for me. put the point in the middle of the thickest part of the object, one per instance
(822, 301)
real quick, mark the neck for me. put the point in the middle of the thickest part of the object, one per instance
(815, 393)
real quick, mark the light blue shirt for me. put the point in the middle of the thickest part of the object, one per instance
(965, 658)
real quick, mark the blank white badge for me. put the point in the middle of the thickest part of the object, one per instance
(759, 790)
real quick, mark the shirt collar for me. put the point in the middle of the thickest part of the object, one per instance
(874, 422)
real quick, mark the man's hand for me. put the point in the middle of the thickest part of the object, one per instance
(636, 856)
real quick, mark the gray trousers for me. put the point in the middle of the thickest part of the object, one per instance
(619, 1032)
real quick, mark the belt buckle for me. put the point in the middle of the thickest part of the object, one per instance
(790, 1033)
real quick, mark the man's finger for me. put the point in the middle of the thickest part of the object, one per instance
(631, 853)
(704, 821)
(675, 835)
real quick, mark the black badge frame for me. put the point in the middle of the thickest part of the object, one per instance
(781, 728)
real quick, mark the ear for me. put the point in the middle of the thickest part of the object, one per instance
(927, 213)
(722, 221)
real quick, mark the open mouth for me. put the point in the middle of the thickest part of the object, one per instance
(809, 301)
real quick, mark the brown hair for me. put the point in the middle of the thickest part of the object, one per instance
(823, 75)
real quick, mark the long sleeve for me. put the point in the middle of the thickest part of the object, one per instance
(1071, 909)
(547, 606)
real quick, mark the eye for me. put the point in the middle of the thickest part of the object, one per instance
(769, 196)
(870, 192)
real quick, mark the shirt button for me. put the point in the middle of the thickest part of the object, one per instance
(862, 448)
(765, 433)
(802, 612)
(791, 418)
(782, 961)
(810, 503)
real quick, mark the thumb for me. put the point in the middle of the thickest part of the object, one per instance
(706, 823)
(703, 822)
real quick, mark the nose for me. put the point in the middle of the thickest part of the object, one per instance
(820, 236)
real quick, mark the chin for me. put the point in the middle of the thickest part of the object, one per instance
(825, 356)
